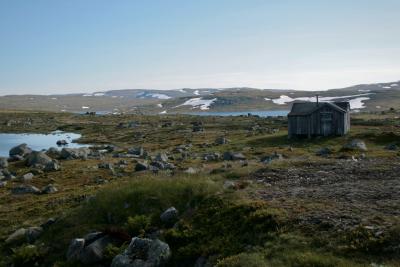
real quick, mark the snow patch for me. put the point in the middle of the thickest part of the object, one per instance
(356, 102)
(160, 96)
(394, 85)
(386, 87)
(364, 90)
(196, 92)
(163, 112)
(198, 102)
(87, 95)
(99, 94)
(159, 105)
(267, 99)
(85, 107)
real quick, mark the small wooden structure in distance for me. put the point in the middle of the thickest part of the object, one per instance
(309, 119)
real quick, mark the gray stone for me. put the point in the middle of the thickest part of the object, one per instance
(221, 140)
(3, 184)
(355, 144)
(52, 166)
(62, 142)
(33, 233)
(191, 170)
(94, 252)
(229, 185)
(105, 165)
(169, 216)
(53, 152)
(25, 189)
(275, 156)
(17, 237)
(21, 150)
(392, 147)
(49, 189)
(75, 153)
(212, 156)
(324, 151)
(233, 156)
(143, 252)
(75, 248)
(27, 177)
(161, 157)
(141, 166)
(3, 162)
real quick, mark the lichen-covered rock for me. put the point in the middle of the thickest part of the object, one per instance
(27, 177)
(143, 252)
(23, 235)
(75, 249)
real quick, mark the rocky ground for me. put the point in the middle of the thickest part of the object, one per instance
(200, 191)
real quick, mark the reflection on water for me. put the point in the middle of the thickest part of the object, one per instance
(36, 141)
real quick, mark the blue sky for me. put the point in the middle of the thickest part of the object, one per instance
(70, 46)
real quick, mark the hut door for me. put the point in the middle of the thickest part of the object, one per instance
(326, 123)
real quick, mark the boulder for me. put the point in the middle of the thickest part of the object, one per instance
(169, 216)
(27, 177)
(20, 151)
(94, 251)
(233, 156)
(25, 189)
(355, 144)
(53, 152)
(49, 189)
(37, 159)
(105, 165)
(75, 248)
(33, 233)
(392, 147)
(191, 170)
(62, 143)
(212, 156)
(221, 141)
(143, 252)
(230, 185)
(75, 153)
(3, 162)
(141, 166)
(23, 235)
(162, 165)
(275, 156)
(17, 237)
(161, 157)
(52, 166)
(324, 151)
(137, 151)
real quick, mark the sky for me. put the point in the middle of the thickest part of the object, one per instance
(55, 46)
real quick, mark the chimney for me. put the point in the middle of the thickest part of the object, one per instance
(317, 100)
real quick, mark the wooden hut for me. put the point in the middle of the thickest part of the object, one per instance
(319, 119)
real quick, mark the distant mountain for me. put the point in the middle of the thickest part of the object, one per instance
(363, 97)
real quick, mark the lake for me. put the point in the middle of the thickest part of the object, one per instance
(262, 113)
(36, 141)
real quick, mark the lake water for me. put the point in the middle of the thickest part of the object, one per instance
(265, 113)
(36, 141)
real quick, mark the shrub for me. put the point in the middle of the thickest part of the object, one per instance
(27, 255)
(138, 225)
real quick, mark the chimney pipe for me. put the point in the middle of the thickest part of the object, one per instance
(317, 100)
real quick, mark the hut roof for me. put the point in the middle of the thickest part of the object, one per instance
(306, 108)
